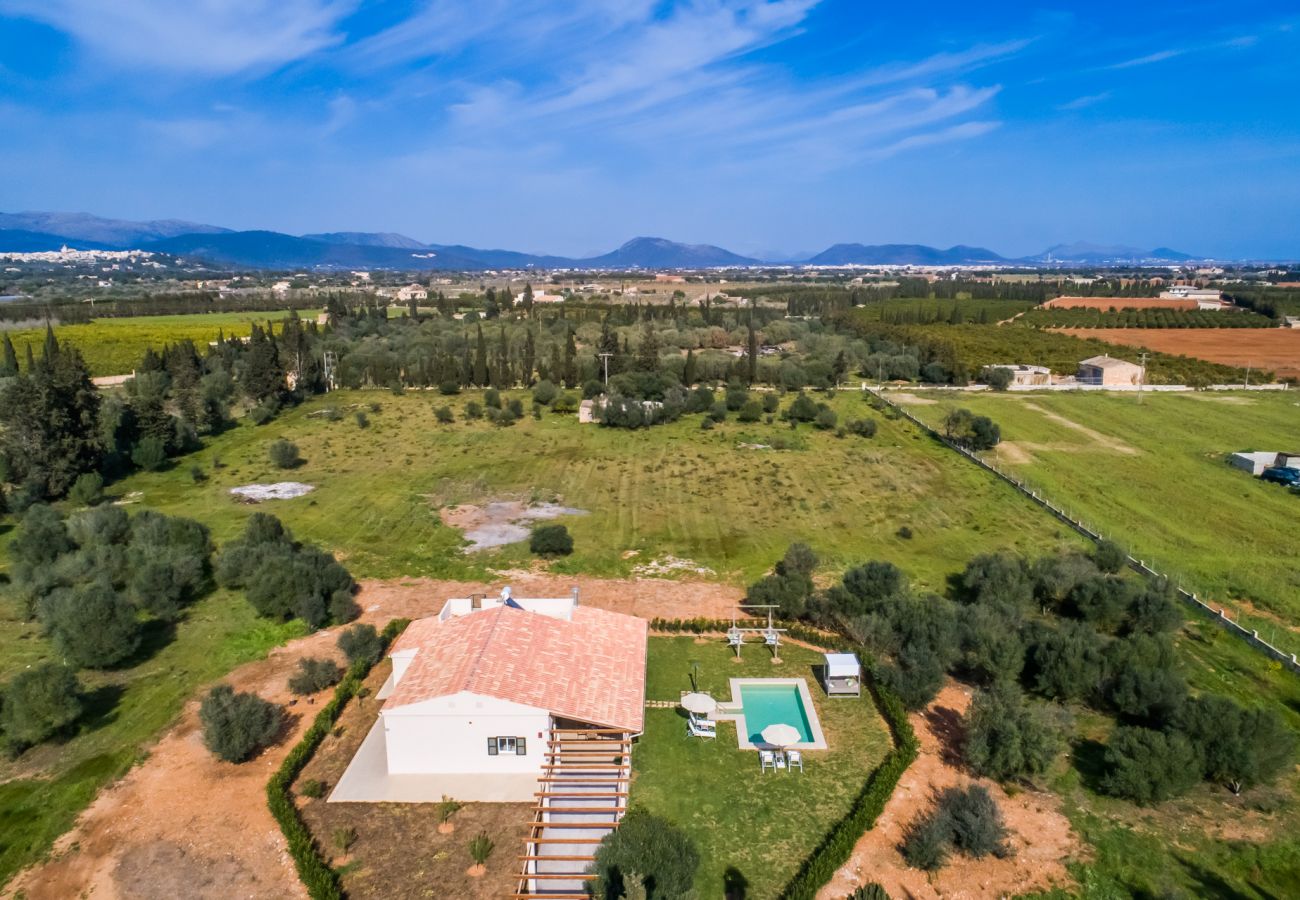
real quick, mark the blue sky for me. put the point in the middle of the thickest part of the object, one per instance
(761, 125)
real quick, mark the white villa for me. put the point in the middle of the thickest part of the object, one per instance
(481, 695)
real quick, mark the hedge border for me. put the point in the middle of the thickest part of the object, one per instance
(837, 846)
(320, 879)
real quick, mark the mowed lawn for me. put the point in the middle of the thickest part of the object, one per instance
(750, 828)
(672, 490)
(115, 346)
(1153, 477)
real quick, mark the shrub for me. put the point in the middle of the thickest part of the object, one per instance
(237, 725)
(750, 412)
(197, 475)
(927, 843)
(862, 427)
(87, 490)
(1006, 737)
(92, 624)
(480, 848)
(1109, 556)
(473, 410)
(448, 388)
(551, 540)
(904, 532)
(492, 398)
(996, 377)
(645, 845)
(545, 392)
(1239, 747)
(565, 403)
(263, 412)
(361, 643)
(363, 421)
(312, 788)
(344, 837)
(39, 703)
(447, 807)
(826, 419)
(314, 674)
(771, 403)
(150, 454)
(870, 891)
(1147, 766)
(284, 454)
(444, 415)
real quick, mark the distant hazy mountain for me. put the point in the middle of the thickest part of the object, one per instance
(18, 240)
(659, 253)
(368, 239)
(114, 232)
(1083, 252)
(272, 250)
(901, 255)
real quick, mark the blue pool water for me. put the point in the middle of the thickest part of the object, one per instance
(768, 704)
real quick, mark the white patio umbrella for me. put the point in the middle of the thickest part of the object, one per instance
(699, 704)
(781, 735)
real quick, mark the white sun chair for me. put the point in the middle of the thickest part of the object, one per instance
(780, 759)
(795, 760)
(766, 760)
(701, 727)
(735, 637)
(772, 637)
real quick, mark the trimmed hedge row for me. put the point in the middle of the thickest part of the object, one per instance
(837, 846)
(320, 879)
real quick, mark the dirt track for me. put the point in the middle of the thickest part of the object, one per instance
(1041, 839)
(183, 824)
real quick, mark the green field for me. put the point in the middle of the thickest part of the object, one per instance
(672, 489)
(114, 346)
(759, 826)
(1152, 477)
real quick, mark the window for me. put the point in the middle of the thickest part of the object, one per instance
(509, 746)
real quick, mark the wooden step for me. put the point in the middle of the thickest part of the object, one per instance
(556, 876)
(559, 840)
(568, 795)
(557, 858)
(550, 896)
(594, 810)
(591, 825)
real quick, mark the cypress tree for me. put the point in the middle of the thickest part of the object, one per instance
(570, 360)
(688, 373)
(480, 359)
(10, 365)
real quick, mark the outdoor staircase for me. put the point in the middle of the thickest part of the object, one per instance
(582, 796)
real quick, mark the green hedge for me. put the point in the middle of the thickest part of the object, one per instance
(837, 846)
(321, 881)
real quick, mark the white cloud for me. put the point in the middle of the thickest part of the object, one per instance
(1085, 101)
(209, 37)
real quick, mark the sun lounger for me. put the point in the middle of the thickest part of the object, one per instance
(766, 760)
(701, 728)
(795, 760)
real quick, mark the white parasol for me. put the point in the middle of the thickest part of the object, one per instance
(700, 704)
(781, 735)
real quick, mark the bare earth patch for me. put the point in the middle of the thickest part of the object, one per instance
(912, 399)
(281, 490)
(1040, 835)
(501, 522)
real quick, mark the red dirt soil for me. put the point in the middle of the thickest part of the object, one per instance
(1274, 350)
(183, 824)
(1040, 837)
(1104, 303)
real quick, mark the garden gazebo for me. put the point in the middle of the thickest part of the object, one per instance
(843, 676)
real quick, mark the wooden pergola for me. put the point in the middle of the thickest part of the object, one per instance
(771, 634)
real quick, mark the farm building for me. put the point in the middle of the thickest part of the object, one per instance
(1256, 461)
(477, 691)
(1026, 375)
(1109, 370)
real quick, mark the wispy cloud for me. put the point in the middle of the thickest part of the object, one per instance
(1085, 101)
(209, 37)
(1158, 56)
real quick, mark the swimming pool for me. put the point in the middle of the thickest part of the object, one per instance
(759, 702)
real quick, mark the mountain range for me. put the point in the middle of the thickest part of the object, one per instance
(35, 231)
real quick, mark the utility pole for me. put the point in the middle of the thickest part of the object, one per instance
(1142, 376)
(605, 359)
(1247, 384)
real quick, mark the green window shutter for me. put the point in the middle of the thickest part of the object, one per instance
(492, 746)
(521, 746)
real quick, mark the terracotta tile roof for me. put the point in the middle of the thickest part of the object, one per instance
(590, 668)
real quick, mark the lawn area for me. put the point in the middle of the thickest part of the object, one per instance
(759, 827)
(1153, 477)
(42, 791)
(669, 490)
(114, 346)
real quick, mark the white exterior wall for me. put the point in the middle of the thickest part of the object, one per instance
(449, 735)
